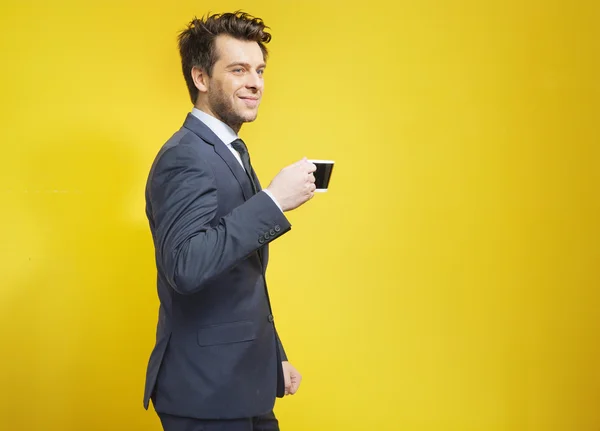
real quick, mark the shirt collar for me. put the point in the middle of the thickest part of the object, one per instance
(222, 130)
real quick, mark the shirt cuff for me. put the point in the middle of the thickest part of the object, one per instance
(272, 197)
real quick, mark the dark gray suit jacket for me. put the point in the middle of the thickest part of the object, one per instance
(217, 353)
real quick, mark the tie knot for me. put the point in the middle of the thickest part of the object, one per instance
(239, 146)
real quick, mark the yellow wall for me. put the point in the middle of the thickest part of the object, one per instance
(448, 281)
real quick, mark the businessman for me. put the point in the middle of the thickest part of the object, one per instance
(218, 362)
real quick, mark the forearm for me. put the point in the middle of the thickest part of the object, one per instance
(207, 252)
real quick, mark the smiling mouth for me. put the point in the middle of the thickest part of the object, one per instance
(251, 102)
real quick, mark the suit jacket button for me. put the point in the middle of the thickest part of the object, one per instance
(261, 240)
(271, 232)
(277, 228)
(270, 318)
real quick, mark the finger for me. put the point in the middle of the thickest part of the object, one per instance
(311, 167)
(287, 381)
(296, 383)
(300, 162)
(311, 178)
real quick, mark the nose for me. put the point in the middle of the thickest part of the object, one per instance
(254, 81)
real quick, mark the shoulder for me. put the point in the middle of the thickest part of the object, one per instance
(183, 153)
(182, 147)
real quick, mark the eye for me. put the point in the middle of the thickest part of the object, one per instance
(260, 72)
(238, 70)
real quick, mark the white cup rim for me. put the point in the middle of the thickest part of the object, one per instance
(321, 161)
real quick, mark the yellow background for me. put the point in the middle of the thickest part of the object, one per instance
(449, 279)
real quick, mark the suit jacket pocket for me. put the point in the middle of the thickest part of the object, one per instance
(226, 333)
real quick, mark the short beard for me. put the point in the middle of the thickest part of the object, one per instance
(222, 109)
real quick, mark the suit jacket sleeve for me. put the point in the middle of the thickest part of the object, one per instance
(192, 248)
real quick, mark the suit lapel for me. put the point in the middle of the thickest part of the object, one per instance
(203, 131)
(236, 169)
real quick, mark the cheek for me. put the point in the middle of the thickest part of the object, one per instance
(235, 87)
(224, 87)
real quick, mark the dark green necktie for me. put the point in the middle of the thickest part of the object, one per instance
(240, 147)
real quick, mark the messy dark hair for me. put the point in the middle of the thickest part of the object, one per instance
(197, 41)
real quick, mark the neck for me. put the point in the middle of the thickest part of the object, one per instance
(204, 108)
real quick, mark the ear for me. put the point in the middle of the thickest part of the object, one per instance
(200, 79)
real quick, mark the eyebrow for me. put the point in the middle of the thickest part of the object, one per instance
(239, 63)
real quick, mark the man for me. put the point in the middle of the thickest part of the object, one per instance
(218, 362)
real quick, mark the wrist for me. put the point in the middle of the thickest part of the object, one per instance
(274, 198)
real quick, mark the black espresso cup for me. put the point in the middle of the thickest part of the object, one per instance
(322, 174)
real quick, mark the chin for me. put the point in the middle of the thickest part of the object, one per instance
(249, 117)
